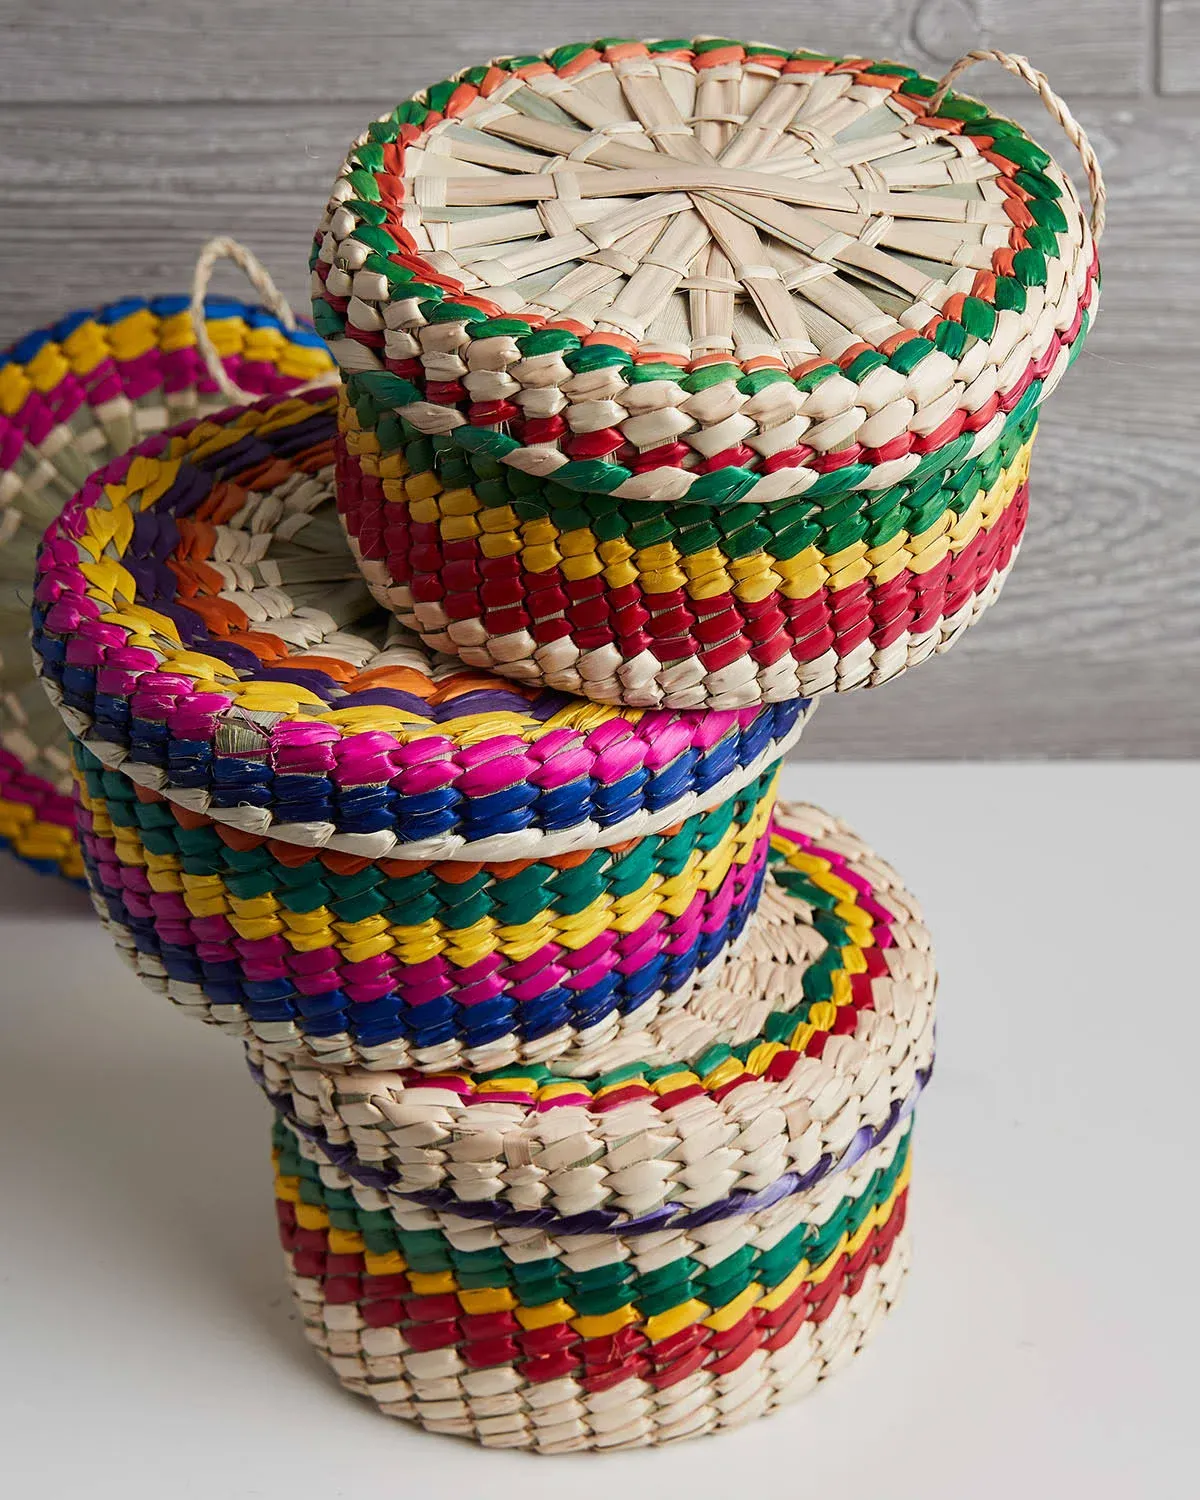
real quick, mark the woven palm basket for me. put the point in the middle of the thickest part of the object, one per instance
(302, 825)
(700, 373)
(73, 397)
(428, 964)
(675, 1245)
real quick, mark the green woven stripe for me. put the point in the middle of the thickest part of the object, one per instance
(829, 515)
(606, 1288)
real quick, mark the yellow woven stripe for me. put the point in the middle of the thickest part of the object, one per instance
(15, 387)
(661, 568)
(15, 818)
(175, 331)
(27, 836)
(822, 1015)
(48, 367)
(133, 335)
(811, 571)
(86, 347)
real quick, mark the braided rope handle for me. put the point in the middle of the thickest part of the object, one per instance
(1022, 68)
(222, 247)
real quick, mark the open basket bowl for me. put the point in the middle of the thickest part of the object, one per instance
(697, 374)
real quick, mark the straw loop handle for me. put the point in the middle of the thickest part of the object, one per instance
(1022, 68)
(222, 247)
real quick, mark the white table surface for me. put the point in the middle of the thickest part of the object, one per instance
(1045, 1345)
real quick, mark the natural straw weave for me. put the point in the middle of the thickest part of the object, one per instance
(651, 1253)
(697, 373)
(201, 627)
(567, 1343)
(73, 397)
(432, 965)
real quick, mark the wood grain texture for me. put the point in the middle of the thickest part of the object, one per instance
(123, 51)
(971, 707)
(96, 201)
(133, 189)
(1179, 46)
(103, 192)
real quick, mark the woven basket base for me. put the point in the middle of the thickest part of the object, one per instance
(499, 1410)
(655, 922)
(756, 1076)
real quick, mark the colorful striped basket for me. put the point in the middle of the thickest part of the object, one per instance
(303, 826)
(697, 374)
(73, 397)
(649, 1253)
(428, 964)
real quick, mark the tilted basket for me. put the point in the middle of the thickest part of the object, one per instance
(428, 963)
(306, 827)
(697, 374)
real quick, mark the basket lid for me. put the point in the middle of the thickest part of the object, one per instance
(700, 268)
(201, 624)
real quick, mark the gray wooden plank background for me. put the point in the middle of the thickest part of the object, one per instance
(131, 130)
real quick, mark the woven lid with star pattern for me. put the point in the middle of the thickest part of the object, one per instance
(703, 268)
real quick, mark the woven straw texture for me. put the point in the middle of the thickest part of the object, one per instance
(425, 964)
(566, 1343)
(73, 397)
(202, 627)
(646, 1254)
(672, 367)
(663, 604)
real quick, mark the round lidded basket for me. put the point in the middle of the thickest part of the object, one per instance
(302, 825)
(654, 1252)
(478, 1360)
(697, 374)
(73, 397)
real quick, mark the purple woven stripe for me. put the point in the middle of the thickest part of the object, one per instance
(489, 701)
(601, 1220)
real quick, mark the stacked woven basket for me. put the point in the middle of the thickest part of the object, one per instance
(593, 1068)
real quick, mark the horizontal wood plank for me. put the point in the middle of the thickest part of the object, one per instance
(379, 51)
(99, 200)
(975, 707)
(1179, 47)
